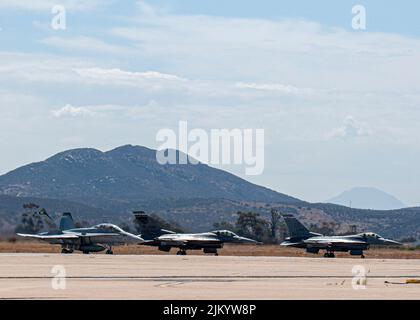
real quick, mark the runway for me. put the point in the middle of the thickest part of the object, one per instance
(55, 276)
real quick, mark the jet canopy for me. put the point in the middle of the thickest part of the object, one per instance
(109, 227)
(370, 235)
(225, 233)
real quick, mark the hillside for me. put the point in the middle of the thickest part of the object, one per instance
(127, 174)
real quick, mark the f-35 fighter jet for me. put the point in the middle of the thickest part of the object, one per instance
(93, 239)
(300, 237)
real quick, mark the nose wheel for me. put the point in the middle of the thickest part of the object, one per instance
(109, 251)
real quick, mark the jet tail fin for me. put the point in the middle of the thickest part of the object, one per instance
(66, 222)
(152, 226)
(295, 227)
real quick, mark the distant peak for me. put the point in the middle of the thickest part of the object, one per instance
(130, 148)
(76, 154)
(365, 189)
(127, 147)
(367, 198)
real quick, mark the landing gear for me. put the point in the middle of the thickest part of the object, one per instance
(329, 255)
(362, 256)
(66, 251)
(109, 251)
(181, 253)
(85, 252)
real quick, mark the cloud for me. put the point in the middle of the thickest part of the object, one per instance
(122, 75)
(254, 51)
(108, 110)
(273, 87)
(70, 111)
(51, 70)
(349, 130)
(47, 5)
(116, 76)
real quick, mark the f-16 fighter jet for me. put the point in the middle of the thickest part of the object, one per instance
(93, 239)
(300, 237)
(209, 242)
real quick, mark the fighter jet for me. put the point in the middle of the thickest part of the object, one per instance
(300, 237)
(93, 239)
(209, 242)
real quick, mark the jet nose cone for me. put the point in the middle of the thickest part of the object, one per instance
(135, 238)
(390, 242)
(246, 240)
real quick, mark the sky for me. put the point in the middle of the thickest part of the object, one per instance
(340, 107)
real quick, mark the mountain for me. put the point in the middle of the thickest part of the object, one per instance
(99, 186)
(125, 175)
(367, 198)
(106, 186)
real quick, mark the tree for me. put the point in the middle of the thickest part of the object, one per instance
(32, 219)
(30, 206)
(251, 225)
(326, 228)
(274, 224)
(225, 226)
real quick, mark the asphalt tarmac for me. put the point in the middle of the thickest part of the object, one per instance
(167, 277)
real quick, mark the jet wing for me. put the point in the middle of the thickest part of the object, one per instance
(63, 236)
(170, 243)
(332, 242)
(176, 242)
(201, 239)
(191, 242)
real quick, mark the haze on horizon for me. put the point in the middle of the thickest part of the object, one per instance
(340, 107)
